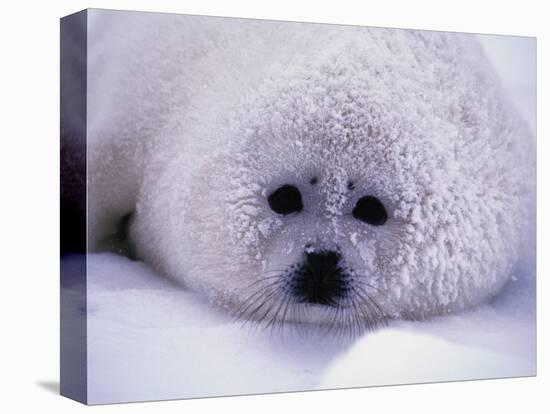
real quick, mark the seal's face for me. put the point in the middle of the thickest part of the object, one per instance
(321, 223)
(341, 204)
(307, 229)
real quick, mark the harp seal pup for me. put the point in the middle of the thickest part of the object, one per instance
(306, 173)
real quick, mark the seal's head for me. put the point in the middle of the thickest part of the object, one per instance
(353, 190)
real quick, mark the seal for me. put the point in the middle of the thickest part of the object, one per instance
(307, 173)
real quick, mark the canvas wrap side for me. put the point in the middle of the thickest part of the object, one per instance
(73, 309)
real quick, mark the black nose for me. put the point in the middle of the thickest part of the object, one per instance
(320, 279)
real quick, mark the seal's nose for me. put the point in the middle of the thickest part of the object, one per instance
(322, 259)
(320, 279)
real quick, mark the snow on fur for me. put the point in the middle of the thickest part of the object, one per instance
(214, 114)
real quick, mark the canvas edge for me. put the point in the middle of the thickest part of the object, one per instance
(73, 229)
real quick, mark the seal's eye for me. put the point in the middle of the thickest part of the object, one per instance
(370, 210)
(285, 200)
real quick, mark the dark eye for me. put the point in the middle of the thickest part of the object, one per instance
(370, 210)
(285, 200)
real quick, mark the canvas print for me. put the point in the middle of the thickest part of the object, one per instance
(253, 206)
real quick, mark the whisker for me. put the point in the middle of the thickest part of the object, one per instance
(334, 311)
(367, 312)
(368, 323)
(358, 322)
(288, 304)
(253, 298)
(273, 319)
(272, 293)
(272, 307)
(263, 279)
(374, 303)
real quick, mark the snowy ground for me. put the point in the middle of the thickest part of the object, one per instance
(149, 339)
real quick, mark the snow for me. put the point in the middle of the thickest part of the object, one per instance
(150, 339)
(410, 357)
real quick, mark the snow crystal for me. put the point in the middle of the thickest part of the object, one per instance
(309, 249)
(405, 277)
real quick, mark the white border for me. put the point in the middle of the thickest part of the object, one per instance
(29, 203)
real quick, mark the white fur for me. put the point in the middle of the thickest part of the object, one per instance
(193, 121)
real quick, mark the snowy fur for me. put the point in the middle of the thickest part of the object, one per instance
(194, 121)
